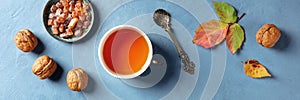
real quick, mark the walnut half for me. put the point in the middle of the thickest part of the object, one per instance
(44, 67)
(268, 35)
(77, 79)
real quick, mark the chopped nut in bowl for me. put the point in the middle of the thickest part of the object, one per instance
(68, 20)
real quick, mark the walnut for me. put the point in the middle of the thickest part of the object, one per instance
(25, 40)
(77, 79)
(268, 35)
(44, 67)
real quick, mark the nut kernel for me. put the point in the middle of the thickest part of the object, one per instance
(268, 35)
(77, 79)
(44, 67)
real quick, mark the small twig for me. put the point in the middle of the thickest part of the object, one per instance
(241, 16)
(242, 62)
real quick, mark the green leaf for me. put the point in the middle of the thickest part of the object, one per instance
(210, 33)
(226, 12)
(235, 37)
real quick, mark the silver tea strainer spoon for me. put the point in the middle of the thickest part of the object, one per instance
(162, 18)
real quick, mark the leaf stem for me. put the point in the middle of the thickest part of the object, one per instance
(242, 62)
(241, 16)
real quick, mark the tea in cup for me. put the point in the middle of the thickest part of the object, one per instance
(125, 51)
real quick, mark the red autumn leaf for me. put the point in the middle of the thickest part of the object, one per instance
(235, 38)
(210, 33)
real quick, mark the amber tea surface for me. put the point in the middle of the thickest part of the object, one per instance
(125, 51)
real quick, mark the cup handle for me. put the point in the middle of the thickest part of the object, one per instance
(157, 59)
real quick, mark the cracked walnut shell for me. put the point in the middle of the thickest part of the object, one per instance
(268, 35)
(77, 79)
(25, 40)
(44, 67)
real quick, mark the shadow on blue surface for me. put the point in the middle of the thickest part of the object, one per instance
(147, 72)
(39, 48)
(173, 62)
(91, 85)
(283, 42)
(57, 75)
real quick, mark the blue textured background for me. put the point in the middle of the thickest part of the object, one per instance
(282, 61)
(17, 79)
(18, 82)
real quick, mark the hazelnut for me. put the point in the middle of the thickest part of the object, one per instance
(44, 67)
(77, 79)
(25, 40)
(268, 35)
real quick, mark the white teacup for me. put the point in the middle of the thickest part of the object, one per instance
(125, 52)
